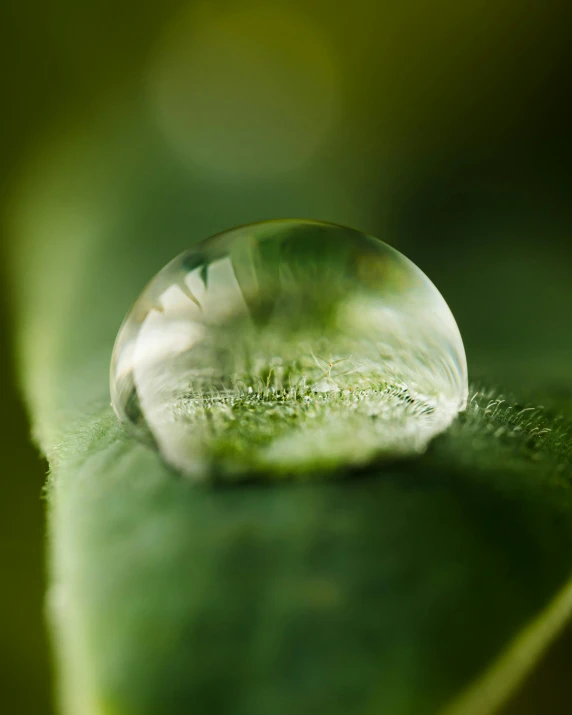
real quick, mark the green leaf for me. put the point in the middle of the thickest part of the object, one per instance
(420, 587)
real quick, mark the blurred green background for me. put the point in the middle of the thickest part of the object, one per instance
(443, 128)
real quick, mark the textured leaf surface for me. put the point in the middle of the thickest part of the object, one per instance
(395, 591)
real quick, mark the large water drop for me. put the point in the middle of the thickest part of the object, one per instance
(290, 347)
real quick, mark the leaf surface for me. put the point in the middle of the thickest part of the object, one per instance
(404, 590)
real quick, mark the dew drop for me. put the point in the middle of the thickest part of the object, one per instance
(287, 347)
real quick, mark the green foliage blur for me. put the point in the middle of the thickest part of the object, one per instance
(442, 128)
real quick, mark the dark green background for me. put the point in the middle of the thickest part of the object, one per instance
(454, 142)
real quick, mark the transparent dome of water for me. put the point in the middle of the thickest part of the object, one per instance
(287, 346)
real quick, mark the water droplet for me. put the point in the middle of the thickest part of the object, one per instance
(288, 347)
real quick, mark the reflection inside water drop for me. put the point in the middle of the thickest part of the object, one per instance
(290, 346)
